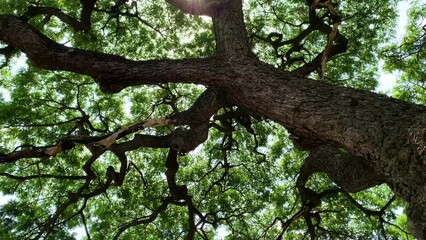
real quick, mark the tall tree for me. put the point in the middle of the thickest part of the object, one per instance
(203, 123)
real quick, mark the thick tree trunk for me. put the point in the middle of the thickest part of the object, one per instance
(388, 134)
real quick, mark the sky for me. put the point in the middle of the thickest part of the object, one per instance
(387, 80)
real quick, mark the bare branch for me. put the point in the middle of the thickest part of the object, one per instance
(146, 219)
(107, 142)
(83, 218)
(23, 178)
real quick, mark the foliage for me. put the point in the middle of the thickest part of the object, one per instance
(408, 57)
(242, 180)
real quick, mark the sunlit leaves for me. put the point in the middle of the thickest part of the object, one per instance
(241, 179)
(409, 57)
(362, 23)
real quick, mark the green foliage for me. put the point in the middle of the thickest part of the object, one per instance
(408, 57)
(362, 24)
(242, 190)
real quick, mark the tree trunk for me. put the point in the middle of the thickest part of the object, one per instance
(388, 133)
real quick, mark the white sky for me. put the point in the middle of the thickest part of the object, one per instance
(387, 80)
(5, 198)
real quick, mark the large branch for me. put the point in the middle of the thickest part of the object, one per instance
(197, 116)
(112, 72)
(388, 133)
(207, 104)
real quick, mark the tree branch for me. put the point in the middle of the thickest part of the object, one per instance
(336, 45)
(350, 172)
(82, 25)
(230, 32)
(207, 104)
(7, 52)
(112, 72)
(23, 178)
(146, 219)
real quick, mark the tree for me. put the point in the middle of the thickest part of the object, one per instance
(194, 126)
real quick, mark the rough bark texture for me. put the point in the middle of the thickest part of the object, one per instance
(351, 173)
(384, 135)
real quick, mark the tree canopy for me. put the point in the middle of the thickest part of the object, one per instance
(211, 119)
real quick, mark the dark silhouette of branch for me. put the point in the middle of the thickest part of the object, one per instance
(369, 212)
(145, 219)
(83, 25)
(144, 181)
(83, 219)
(339, 44)
(7, 52)
(117, 13)
(24, 178)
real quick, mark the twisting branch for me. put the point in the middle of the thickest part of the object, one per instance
(83, 25)
(145, 219)
(207, 104)
(177, 192)
(336, 43)
(69, 142)
(36, 152)
(107, 142)
(369, 212)
(336, 22)
(112, 72)
(124, 167)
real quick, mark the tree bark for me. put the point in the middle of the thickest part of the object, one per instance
(389, 134)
